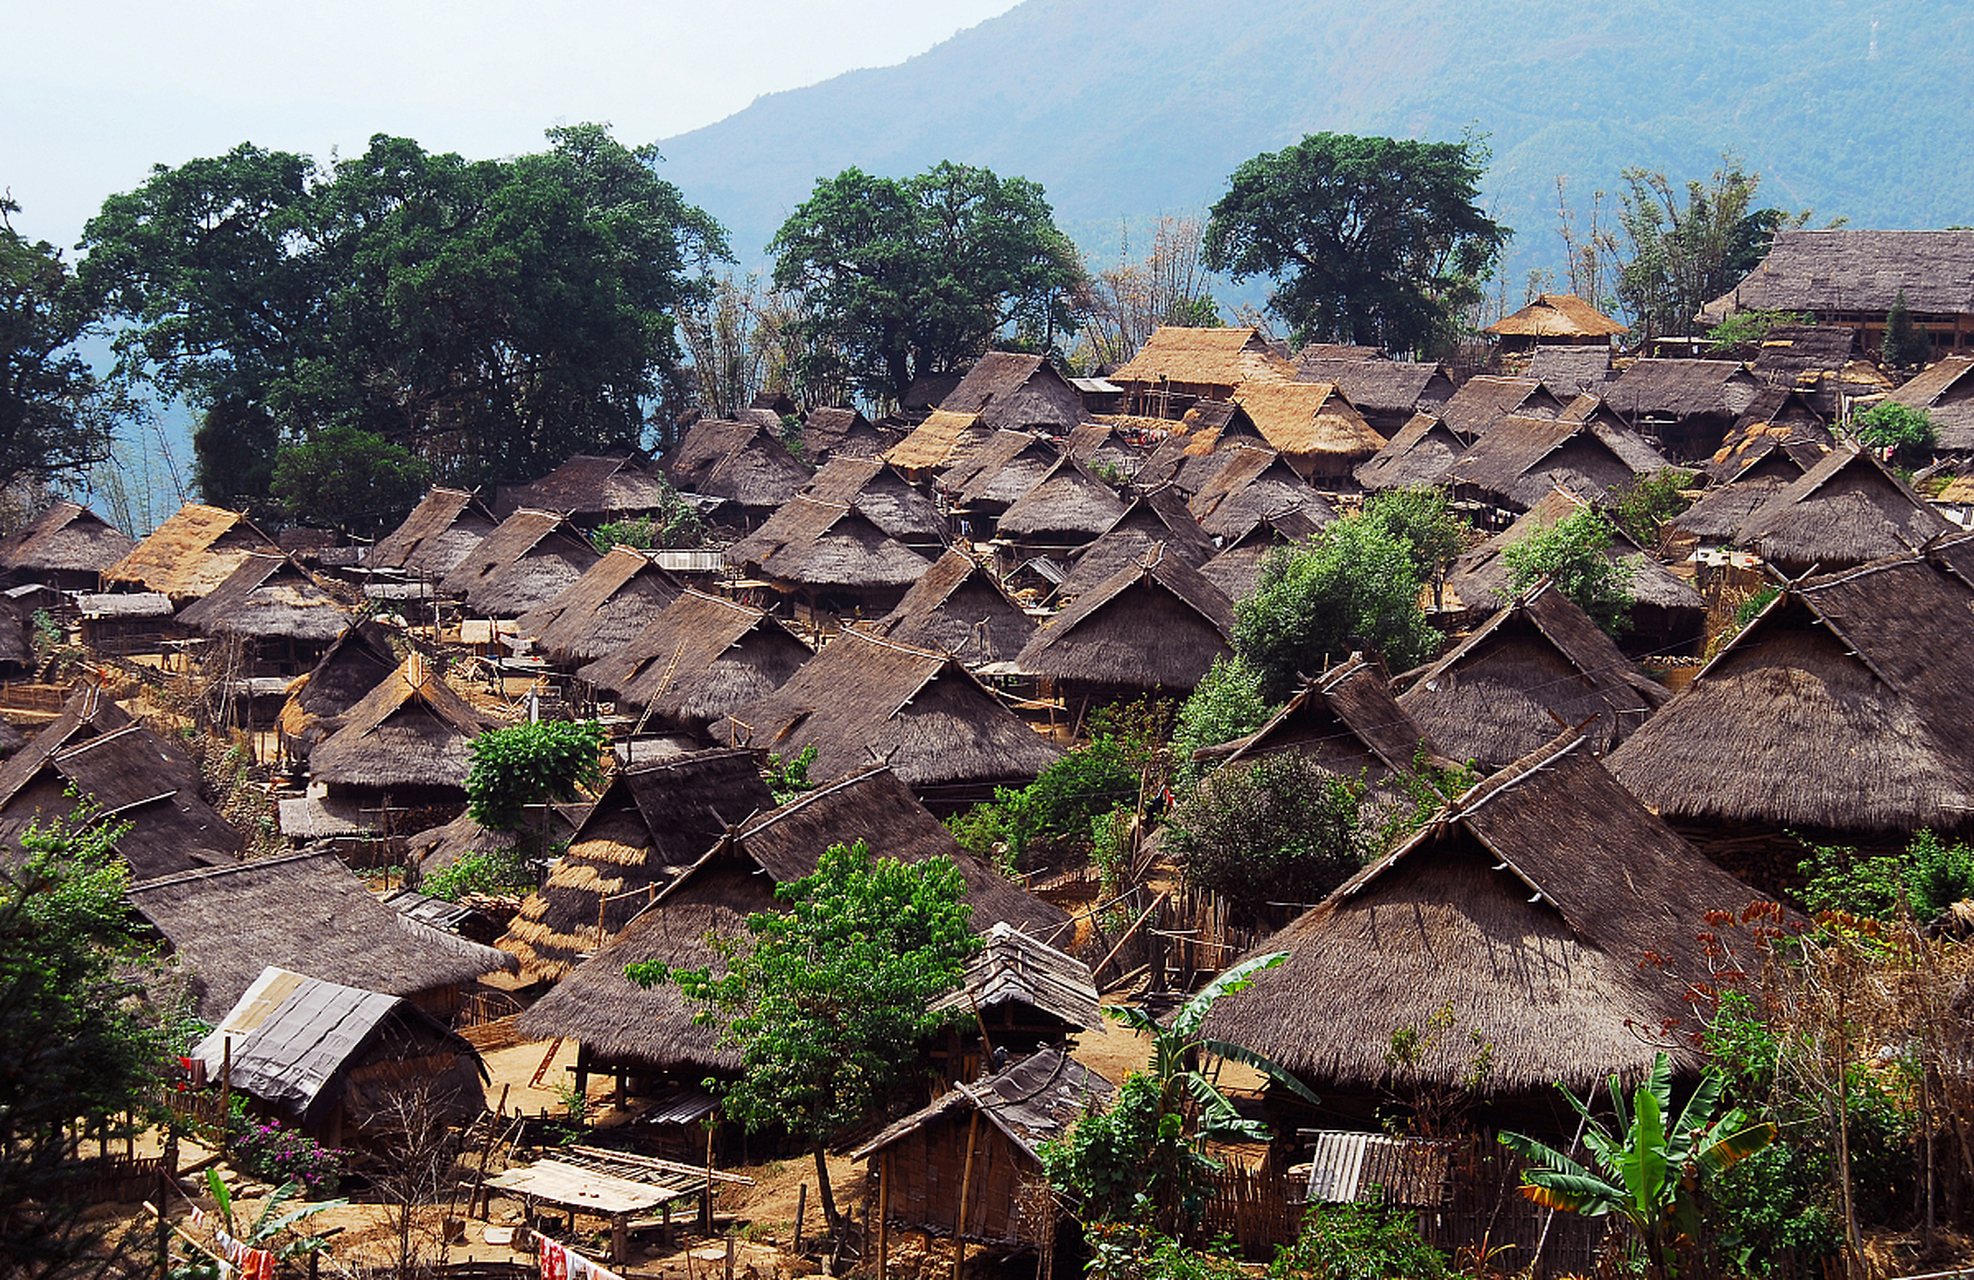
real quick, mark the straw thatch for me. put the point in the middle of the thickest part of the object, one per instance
(530, 559)
(436, 848)
(1101, 447)
(1346, 720)
(1843, 272)
(1386, 392)
(1251, 487)
(1944, 393)
(190, 553)
(1572, 370)
(831, 433)
(1067, 508)
(1418, 456)
(441, 529)
(1159, 518)
(602, 610)
(651, 823)
(1554, 984)
(702, 449)
(699, 659)
(592, 489)
(360, 660)
(1481, 402)
(1202, 361)
(958, 607)
(1016, 392)
(1237, 569)
(825, 547)
(942, 440)
(1538, 666)
(1677, 389)
(1843, 707)
(86, 714)
(306, 913)
(757, 475)
(1311, 424)
(863, 698)
(1515, 465)
(16, 644)
(1750, 446)
(1557, 317)
(412, 732)
(1004, 469)
(270, 597)
(68, 545)
(1848, 509)
(1157, 624)
(886, 498)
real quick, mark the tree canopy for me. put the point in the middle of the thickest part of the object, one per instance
(1575, 554)
(1377, 241)
(1679, 256)
(52, 418)
(490, 316)
(902, 277)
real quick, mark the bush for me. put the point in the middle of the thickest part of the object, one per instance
(1573, 553)
(1052, 814)
(1645, 503)
(1908, 432)
(1281, 829)
(676, 525)
(494, 871)
(1226, 704)
(276, 1154)
(1358, 1242)
(1125, 1251)
(1419, 518)
(1108, 1164)
(1930, 877)
(531, 764)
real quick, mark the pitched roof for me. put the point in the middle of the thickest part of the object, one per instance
(959, 608)
(1033, 1101)
(758, 473)
(357, 662)
(1016, 969)
(1153, 624)
(192, 552)
(1482, 580)
(1159, 518)
(827, 546)
(441, 529)
(830, 433)
(1845, 510)
(1068, 504)
(1555, 315)
(590, 485)
(67, 537)
(942, 440)
(600, 611)
(1945, 392)
(891, 502)
(1205, 357)
(269, 595)
(703, 447)
(1252, 486)
(1309, 420)
(524, 563)
(1567, 369)
(1522, 459)
(1384, 387)
(1482, 402)
(1663, 388)
(702, 656)
(1004, 469)
(1418, 455)
(1845, 270)
(1009, 389)
(412, 730)
(1347, 719)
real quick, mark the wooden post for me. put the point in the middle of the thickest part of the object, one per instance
(620, 1238)
(729, 1255)
(225, 1092)
(966, 1184)
(884, 1217)
(164, 1228)
(666, 1208)
(801, 1208)
(706, 1204)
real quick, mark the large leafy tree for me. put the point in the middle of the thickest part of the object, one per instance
(490, 316)
(901, 277)
(1575, 553)
(1378, 241)
(53, 414)
(350, 479)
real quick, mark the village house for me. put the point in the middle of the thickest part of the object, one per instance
(696, 661)
(1852, 278)
(1554, 319)
(1015, 392)
(1177, 367)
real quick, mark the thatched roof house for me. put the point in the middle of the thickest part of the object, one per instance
(757, 475)
(1000, 473)
(830, 557)
(1025, 992)
(1312, 425)
(1386, 392)
(592, 490)
(1572, 370)
(1846, 510)
(288, 616)
(942, 440)
(1067, 508)
(441, 529)
(1237, 569)
(1251, 487)
(1844, 276)
(1751, 468)
(1178, 366)
(1106, 448)
(1945, 393)
(1820, 363)
(958, 607)
(1346, 720)
(601, 611)
(1418, 456)
(409, 738)
(1526, 910)
(524, 563)
(1555, 319)
(830, 433)
(1015, 392)
(1481, 402)
(360, 660)
(700, 658)
(1159, 518)
(1515, 465)
(190, 553)
(1688, 404)
(891, 502)
(1157, 624)
(1536, 667)
(651, 823)
(308, 913)
(863, 698)
(68, 546)
(702, 448)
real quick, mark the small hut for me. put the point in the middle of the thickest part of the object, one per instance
(1387, 392)
(68, 547)
(958, 607)
(1106, 450)
(1555, 319)
(830, 559)
(126, 622)
(1016, 392)
(1418, 456)
(407, 744)
(1481, 403)
(282, 616)
(444, 526)
(601, 611)
(359, 660)
(757, 475)
(1237, 569)
(698, 660)
(1516, 465)
(592, 490)
(1252, 486)
(1023, 995)
(1944, 393)
(1346, 720)
(863, 698)
(994, 479)
(1538, 666)
(884, 497)
(943, 440)
(1572, 371)
(1846, 510)
(830, 433)
(529, 560)
(1159, 518)
(1178, 367)
(1068, 508)
(1690, 405)
(1154, 625)
(189, 554)
(1312, 425)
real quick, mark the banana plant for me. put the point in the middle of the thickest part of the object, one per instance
(1651, 1171)
(270, 1221)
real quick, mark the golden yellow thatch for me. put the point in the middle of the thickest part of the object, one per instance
(1310, 421)
(939, 441)
(191, 553)
(1556, 316)
(1205, 357)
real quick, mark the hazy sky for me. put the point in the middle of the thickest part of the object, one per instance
(94, 92)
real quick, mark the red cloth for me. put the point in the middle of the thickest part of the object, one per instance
(554, 1261)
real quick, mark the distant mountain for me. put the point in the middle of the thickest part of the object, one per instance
(1127, 108)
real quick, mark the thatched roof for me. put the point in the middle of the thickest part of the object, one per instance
(1004, 469)
(1312, 423)
(1482, 402)
(1340, 351)
(1481, 578)
(1418, 455)
(959, 608)
(16, 645)
(1800, 356)
(1346, 719)
(891, 502)
(1099, 445)
(1253, 486)
(703, 448)
(436, 848)
(1556, 983)
(441, 529)
(593, 487)
(1391, 389)
(1019, 392)
(304, 912)
(757, 474)
(360, 659)
(1568, 370)
(1945, 393)
(1204, 357)
(650, 824)
(1755, 444)
(86, 714)
(1538, 666)
(942, 440)
(1152, 625)
(1555, 316)
(1657, 388)
(412, 730)
(863, 698)
(602, 610)
(825, 546)
(66, 538)
(191, 553)
(831, 433)
(1159, 518)
(1033, 1101)
(699, 659)
(1015, 969)
(524, 563)
(1843, 271)
(268, 595)
(1843, 706)
(1846, 510)
(1237, 569)
(1517, 463)
(1068, 506)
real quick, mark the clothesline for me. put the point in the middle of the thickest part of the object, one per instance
(560, 1262)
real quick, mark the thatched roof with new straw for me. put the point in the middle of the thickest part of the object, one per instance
(1481, 578)
(1482, 402)
(891, 502)
(441, 529)
(1204, 357)
(1252, 487)
(1008, 466)
(360, 659)
(1557, 984)
(412, 730)
(589, 485)
(863, 698)
(1945, 393)
(942, 440)
(191, 553)
(1380, 388)
(67, 537)
(1152, 625)
(1846, 510)
(1068, 507)
(1418, 455)
(602, 610)
(1311, 421)
(958, 607)
(1843, 706)
(1843, 270)
(269, 595)
(1555, 315)
(1536, 667)
(1016, 391)
(699, 659)
(1751, 443)
(1346, 719)
(650, 824)
(1159, 518)
(304, 912)
(1517, 463)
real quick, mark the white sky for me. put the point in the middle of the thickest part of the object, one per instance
(94, 92)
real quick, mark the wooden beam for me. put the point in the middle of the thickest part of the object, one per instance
(966, 1183)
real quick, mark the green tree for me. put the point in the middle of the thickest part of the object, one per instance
(1351, 587)
(349, 479)
(54, 417)
(1277, 829)
(904, 277)
(1378, 241)
(1908, 432)
(1645, 503)
(1575, 553)
(1740, 334)
(675, 523)
(526, 765)
(827, 1000)
(1420, 518)
(1226, 704)
(1905, 346)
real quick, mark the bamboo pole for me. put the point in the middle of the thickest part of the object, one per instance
(884, 1217)
(966, 1183)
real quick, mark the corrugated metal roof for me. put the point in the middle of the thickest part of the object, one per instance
(1352, 1168)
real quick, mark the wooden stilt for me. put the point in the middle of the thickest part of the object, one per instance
(966, 1185)
(884, 1217)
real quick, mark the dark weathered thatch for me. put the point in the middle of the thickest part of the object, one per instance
(942, 440)
(86, 714)
(1346, 719)
(830, 433)
(1569, 370)
(1751, 443)
(1152, 625)
(863, 698)
(1067, 508)
(1418, 455)
(1553, 983)
(1848, 509)
(1482, 402)
(823, 547)
(592, 489)
(441, 529)
(191, 553)
(957, 607)
(1515, 465)
(1843, 272)
(1673, 389)
(68, 545)
(886, 498)
(1945, 393)
(360, 660)
(1004, 469)
(1237, 570)
(1536, 667)
(1106, 449)
(436, 848)
(1020, 975)
(698, 660)
(1158, 518)
(269, 596)
(757, 475)
(650, 824)
(526, 562)
(1252, 486)
(703, 448)
(1843, 707)
(307, 913)
(602, 610)
(1386, 392)
(1016, 392)
(16, 645)
(412, 732)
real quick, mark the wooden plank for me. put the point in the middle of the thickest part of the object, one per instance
(584, 1189)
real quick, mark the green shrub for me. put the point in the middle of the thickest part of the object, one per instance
(1741, 333)
(1930, 876)
(1126, 1251)
(1645, 503)
(1106, 1164)
(1908, 432)
(1282, 829)
(1053, 813)
(1359, 1242)
(486, 872)
(531, 764)
(1573, 553)
(788, 779)
(1226, 704)
(1754, 604)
